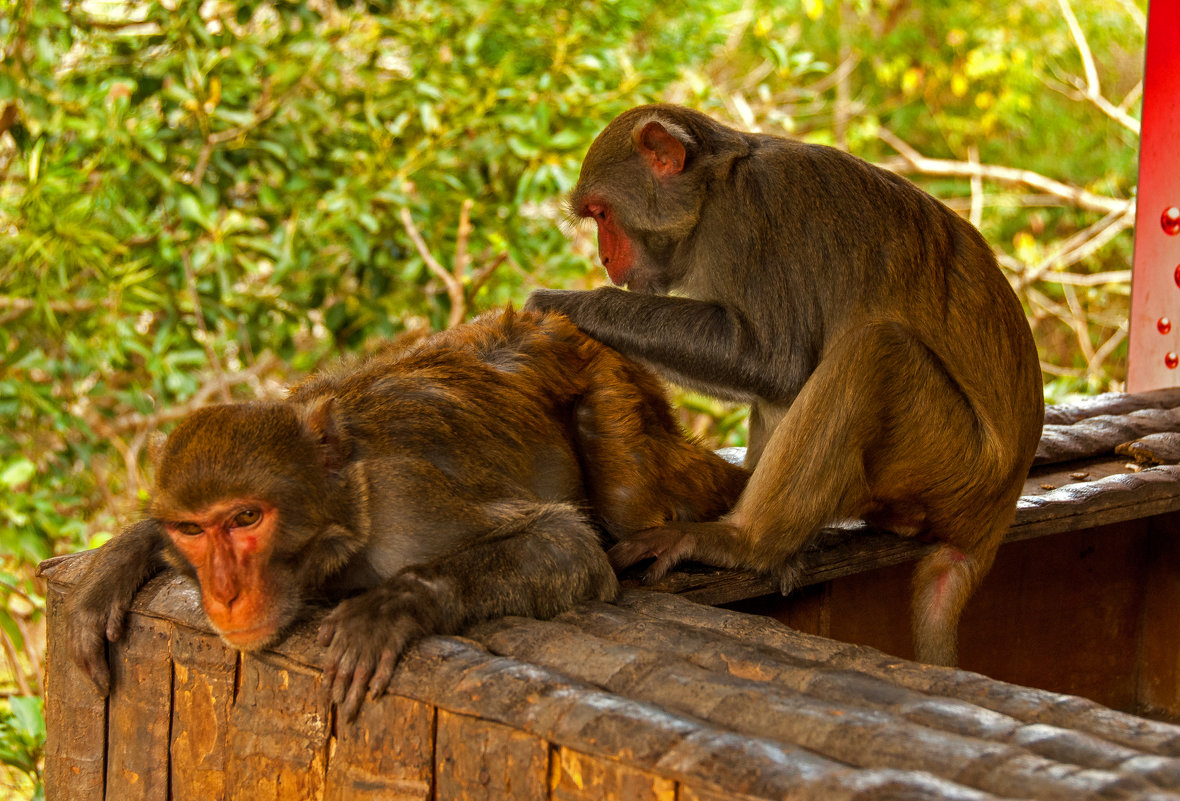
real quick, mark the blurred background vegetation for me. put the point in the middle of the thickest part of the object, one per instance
(201, 199)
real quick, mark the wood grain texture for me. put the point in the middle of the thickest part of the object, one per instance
(75, 717)
(478, 760)
(854, 719)
(278, 730)
(576, 776)
(1111, 403)
(1100, 434)
(204, 672)
(140, 712)
(387, 755)
(1028, 704)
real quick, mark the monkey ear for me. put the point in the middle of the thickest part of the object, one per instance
(661, 149)
(324, 426)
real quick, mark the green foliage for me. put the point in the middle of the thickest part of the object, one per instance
(22, 742)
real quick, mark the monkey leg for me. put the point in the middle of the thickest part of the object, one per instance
(880, 430)
(533, 559)
(810, 472)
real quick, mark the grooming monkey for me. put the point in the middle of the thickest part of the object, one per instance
(456, 479)
(890, 369)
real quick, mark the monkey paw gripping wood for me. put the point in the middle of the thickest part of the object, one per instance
(448, 480)
(891, 371)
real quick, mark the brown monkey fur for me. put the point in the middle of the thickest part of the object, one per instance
(891, 371)
(451, 480)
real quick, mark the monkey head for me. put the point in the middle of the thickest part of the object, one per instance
(644, 183)
(250, 497)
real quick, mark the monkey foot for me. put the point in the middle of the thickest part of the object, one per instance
(790, 576)
(668, 546)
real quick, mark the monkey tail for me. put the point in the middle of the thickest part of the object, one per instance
(942, 583)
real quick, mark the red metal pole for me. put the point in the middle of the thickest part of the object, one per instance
(1154, 350)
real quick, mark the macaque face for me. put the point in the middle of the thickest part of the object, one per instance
(229, 544)
(614, 246)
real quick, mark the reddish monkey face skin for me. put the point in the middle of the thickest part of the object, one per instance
(448, 480)
(229, 545)
(614, 247)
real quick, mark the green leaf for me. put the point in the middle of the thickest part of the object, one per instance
(26, 712)
(17, 472)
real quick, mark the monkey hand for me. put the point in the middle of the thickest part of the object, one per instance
(366, 636)
(667, 545)
(97, 613)
(557, 300)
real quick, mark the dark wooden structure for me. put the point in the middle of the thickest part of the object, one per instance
(660, 697)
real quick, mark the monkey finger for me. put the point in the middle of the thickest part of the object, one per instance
(660, 568)
(669, 556)
(345, 670)
(327, 632)
(627, 553)
(99, 674)
(356, 692)
(537, 300)
(380, 681)
(116, 622)
(790, 577)
(327, 679)
(88, 650)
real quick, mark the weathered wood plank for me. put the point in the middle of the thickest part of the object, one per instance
(581, 777)
(1101, 434)
(1111, 403)
(1161, 448)
(140, 712)
(856, 548)
(690, 793)
(1022, 703)
(478, 760)
(75, 717)
(850, 732)
(716, 652)
(386, 755)
(278, 728)
(204, 672)
(459, 676)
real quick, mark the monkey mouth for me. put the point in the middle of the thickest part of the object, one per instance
(252, 638)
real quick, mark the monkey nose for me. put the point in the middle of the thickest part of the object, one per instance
(224, 592)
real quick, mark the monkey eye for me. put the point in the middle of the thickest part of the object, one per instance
(189, 529)
(247, 518)
(596, 211)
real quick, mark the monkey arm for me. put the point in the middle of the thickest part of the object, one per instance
(542, 560)
(699, 344)
(98, 606)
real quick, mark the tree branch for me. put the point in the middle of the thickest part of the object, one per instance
(460, 293)
(912, 161)
(1081, 246)
(453, 286)
(976, 215)
(1092, 90)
